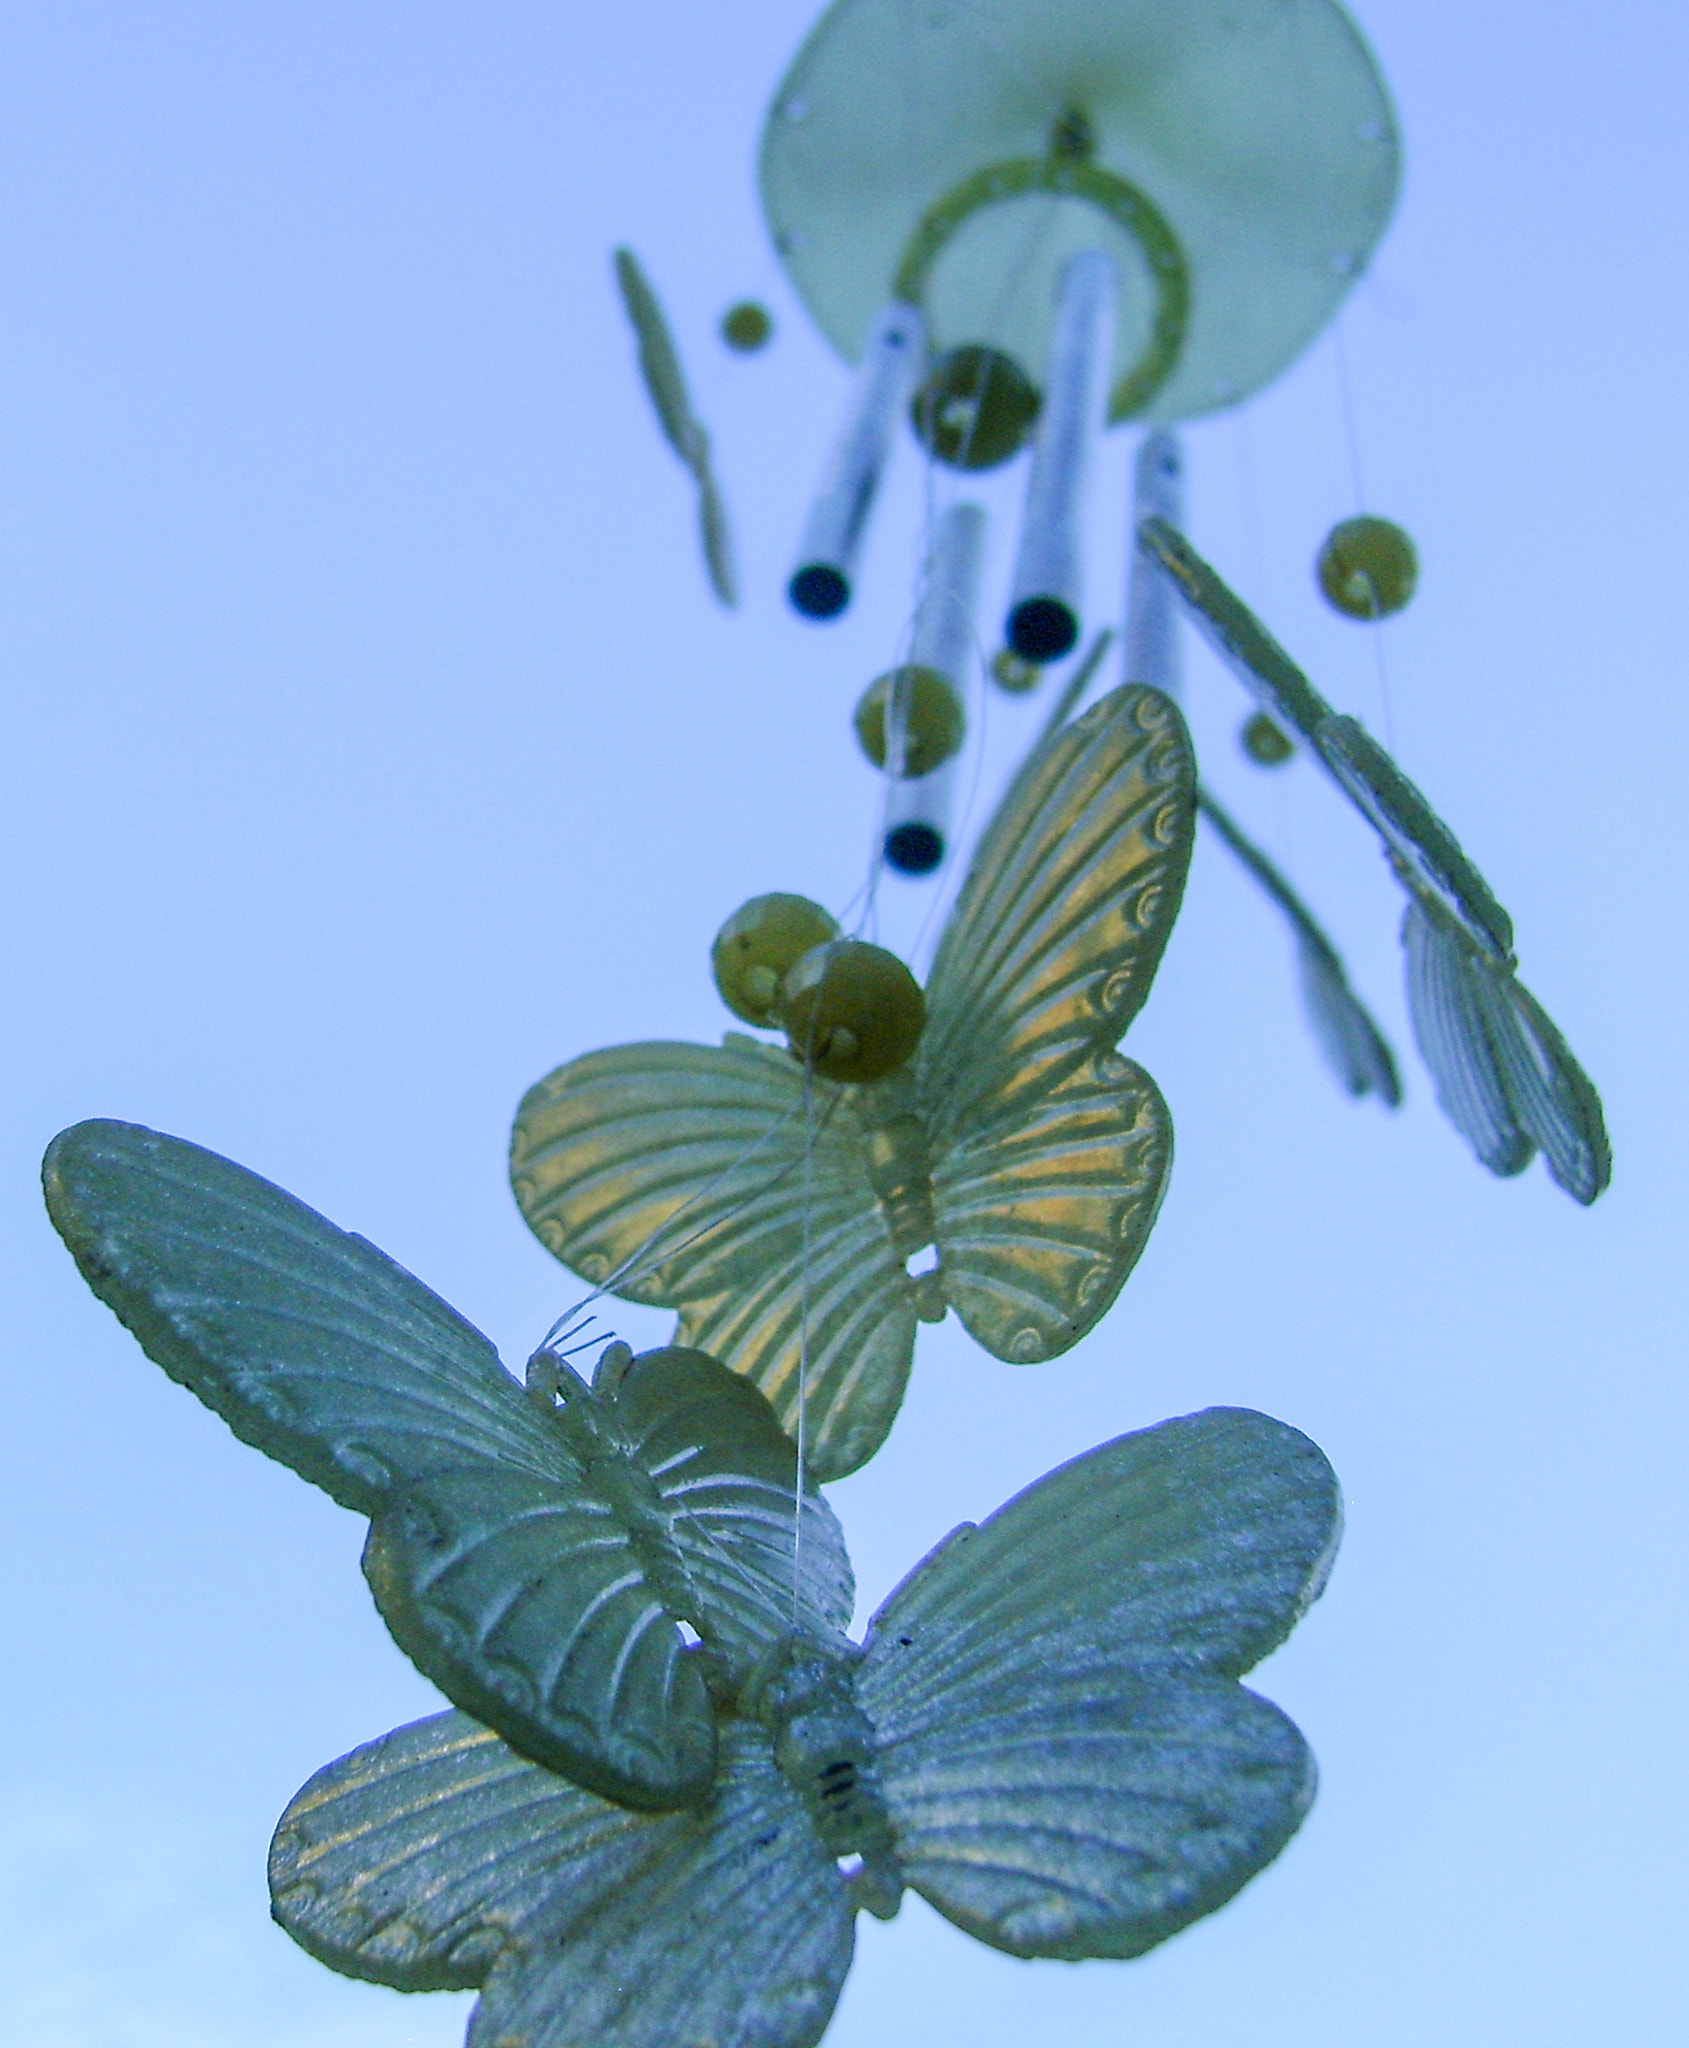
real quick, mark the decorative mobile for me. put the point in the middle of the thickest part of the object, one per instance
(669, 1780)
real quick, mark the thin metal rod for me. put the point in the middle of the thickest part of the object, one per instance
(820, 587)
(1044, 604)
(1152, 623)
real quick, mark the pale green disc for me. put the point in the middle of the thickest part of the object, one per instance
(1252, 141)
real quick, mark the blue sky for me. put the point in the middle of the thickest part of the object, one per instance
(372, 744)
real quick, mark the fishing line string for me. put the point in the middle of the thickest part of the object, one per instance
(1351, 431)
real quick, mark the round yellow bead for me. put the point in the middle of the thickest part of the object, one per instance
(1266, 744)
(746, 327)
(1367, 568)
(974, 408)
(753, 950)
(934, 721)
(852, 1011)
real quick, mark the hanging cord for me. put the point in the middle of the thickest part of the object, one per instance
(1351, 433)
(803, 1344)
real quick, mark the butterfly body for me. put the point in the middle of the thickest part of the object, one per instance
(778, 1212)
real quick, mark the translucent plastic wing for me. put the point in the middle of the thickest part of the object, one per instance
(510, 1591)
(747, 1211)
(1236, 635)
(438, 1858)
(659, 365)
(1356, 1050)
(1505, 1077)
(526, 1558)
(717, 538)
(1049, 1151)
(1067, 907)
(1068, 1762)
(1417, 838)
(1414, 834)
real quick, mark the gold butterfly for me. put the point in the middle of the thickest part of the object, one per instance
(1017, 1151)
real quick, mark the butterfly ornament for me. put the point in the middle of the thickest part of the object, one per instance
(669, 1781)
(1015, 1161)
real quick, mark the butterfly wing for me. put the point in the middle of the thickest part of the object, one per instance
(311, 1344)
(417, 1860)
(1049, 1151)
(537, 1600)
(321, 1351)
(1505, 1077)
(437, 1858)
(1067, 1760)
(726, 1474)
(681, 1175)
(1041, 1217)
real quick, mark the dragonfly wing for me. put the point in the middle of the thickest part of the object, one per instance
(1064, 915)
(739, 1933)
(740, 1204)
(659, 361)
(310, 1343)
(1067, 1763)
(716, 533)
(1426, 849)
(417, 1860)
(1040, 1218)
(1355, 1049)
(1505, 1077)
(1556, 1098)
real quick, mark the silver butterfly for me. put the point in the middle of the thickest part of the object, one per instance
(640, 1839)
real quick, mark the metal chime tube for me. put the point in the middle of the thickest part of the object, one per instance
(1152, 615)
(838, 517)
(1044, 605)
(917, 815)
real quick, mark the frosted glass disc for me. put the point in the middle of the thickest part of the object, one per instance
(1258, 132)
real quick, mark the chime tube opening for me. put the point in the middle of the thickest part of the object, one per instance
(1152, 619)
(820, 587)
(917, 820)
(1043, 619)
(917, 816)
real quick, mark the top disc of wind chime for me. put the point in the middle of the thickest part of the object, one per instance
(1237, 159)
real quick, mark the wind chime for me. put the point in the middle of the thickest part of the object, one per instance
(667, 1780)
